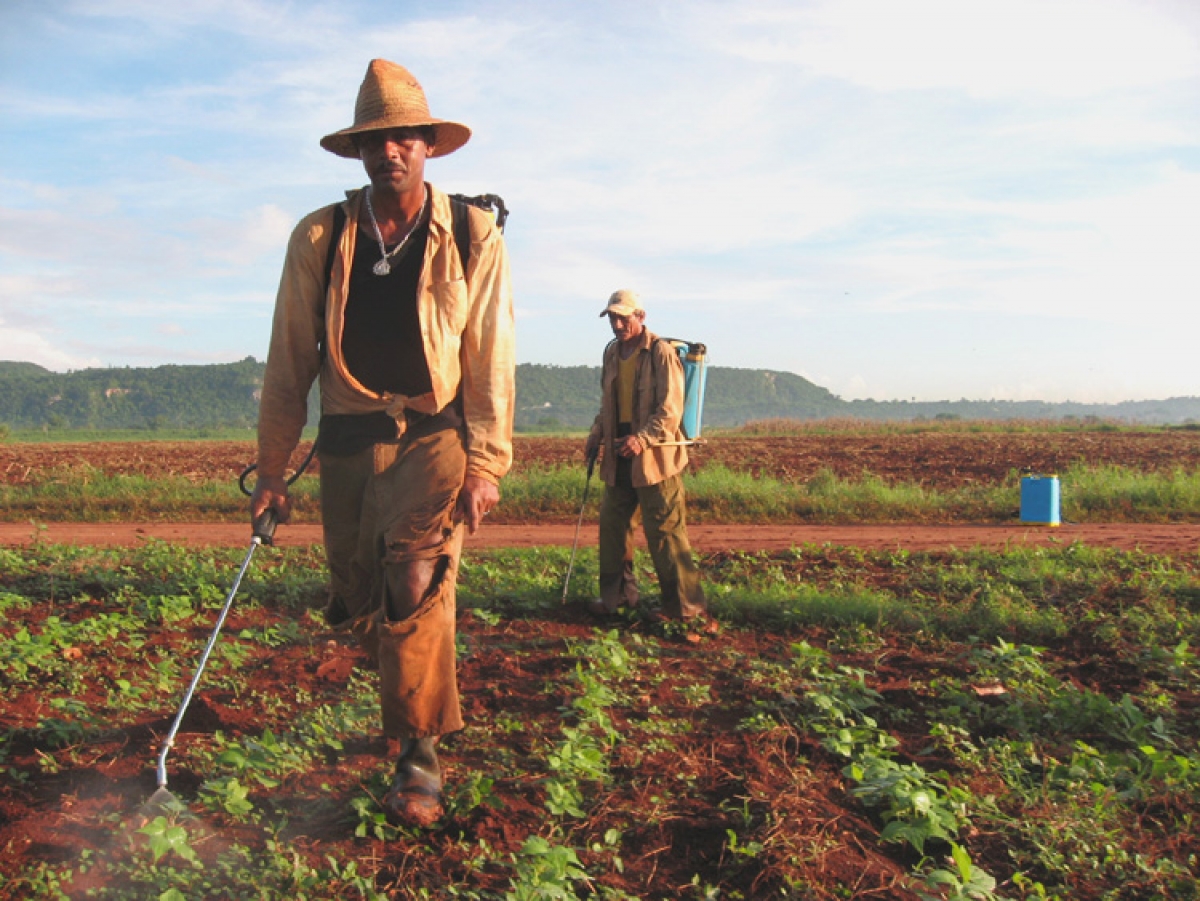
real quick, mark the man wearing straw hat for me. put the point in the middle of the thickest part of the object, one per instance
(644, 452)
(410, 326)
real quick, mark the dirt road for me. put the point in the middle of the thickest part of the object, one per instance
(1158, 539)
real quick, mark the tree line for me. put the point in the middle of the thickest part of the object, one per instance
(549, 398)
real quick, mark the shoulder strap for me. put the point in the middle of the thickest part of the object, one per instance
(335, 237)
(461, 223)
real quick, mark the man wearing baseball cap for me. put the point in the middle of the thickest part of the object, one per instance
(645, 451)
(400, 300)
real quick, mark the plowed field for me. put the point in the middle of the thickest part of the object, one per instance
(937, 457)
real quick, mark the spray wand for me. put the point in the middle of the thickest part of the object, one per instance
(591, 465)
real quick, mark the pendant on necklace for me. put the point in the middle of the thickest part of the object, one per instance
(383, 267)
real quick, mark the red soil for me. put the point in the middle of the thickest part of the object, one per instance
(936, 457)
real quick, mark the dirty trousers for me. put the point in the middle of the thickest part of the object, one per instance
(392, 551)
(664, 517)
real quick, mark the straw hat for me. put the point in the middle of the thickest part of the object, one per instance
(623, 303)
(390, 97)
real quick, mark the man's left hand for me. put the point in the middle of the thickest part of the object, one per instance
(476, 499)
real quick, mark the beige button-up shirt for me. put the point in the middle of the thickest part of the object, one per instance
(467, 330)
(657, 412)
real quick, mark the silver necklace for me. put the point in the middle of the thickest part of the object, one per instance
(384, 266)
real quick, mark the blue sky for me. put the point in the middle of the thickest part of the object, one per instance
(930, 199)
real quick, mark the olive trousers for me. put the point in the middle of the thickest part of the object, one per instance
(393, 550)
(664, 519)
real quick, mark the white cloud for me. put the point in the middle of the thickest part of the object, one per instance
(25, 297)
(262, 231)
(35, 347)
(1126, 257)
(986, 48)
(1107, 125)
(256, 19)
(88, 246)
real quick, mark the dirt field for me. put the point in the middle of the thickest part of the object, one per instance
(947, 459)
(937, 457)
(73, 804)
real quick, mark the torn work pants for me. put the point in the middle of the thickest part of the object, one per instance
(664, 518)
(392, 550)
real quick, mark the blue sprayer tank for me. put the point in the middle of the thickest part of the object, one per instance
(693, 356)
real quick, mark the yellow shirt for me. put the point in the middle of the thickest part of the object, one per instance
(658, 408)
(626, 371)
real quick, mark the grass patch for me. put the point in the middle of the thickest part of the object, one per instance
(1117, 494)
(716, 494)
(1090, 494)
(85, 494)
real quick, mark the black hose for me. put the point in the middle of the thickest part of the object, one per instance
(299, 472)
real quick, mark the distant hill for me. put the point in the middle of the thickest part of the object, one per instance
(8, 367)
(221, 395)
(548, 398)
(1171, 411)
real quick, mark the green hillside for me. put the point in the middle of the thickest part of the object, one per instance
(549, 398)
(556, 397)
(224, 395)
(9, 367)
(735, 396)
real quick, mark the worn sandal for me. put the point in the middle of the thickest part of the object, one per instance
(413, 805)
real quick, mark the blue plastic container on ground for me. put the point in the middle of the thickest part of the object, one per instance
(1040, 500)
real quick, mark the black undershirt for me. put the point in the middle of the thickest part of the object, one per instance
(381, 338)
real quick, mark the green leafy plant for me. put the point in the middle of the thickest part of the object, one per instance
(545, 872)
(916, 807)
(166, 837)
(371, 821)
(472, 791)
(228, 795)
(965, 882)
